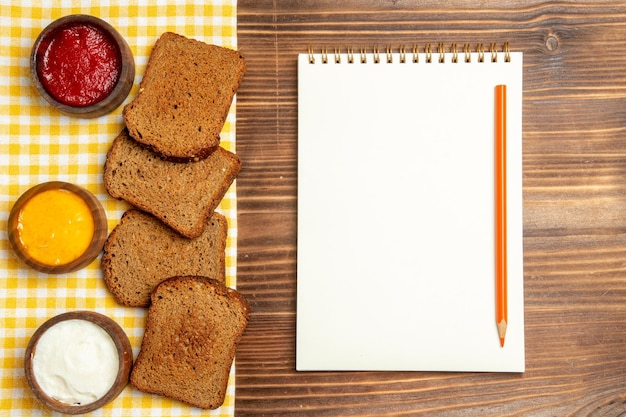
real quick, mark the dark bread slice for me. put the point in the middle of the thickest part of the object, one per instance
(141, 252)
(184, 97)
(181, 195)
(192, 330)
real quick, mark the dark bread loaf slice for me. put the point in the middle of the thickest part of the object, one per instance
(141, 252)
(184, 97)
(181, 195)
(192, 330)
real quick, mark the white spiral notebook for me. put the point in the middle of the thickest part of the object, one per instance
(396, 210)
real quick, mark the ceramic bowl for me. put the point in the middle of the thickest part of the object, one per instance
(124, 351)
(126, 75)
(97, 242)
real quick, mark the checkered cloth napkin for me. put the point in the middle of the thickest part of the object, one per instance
(38, 144)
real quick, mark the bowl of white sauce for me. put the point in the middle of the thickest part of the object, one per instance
(78, 361)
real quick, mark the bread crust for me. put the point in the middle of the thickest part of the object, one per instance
(141, 252)
(181, 195)
(184, 97)
(192, 330)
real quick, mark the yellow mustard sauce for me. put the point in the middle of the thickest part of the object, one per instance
(55, 227)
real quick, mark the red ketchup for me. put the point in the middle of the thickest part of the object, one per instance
(78, 64)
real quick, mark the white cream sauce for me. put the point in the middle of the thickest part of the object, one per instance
(75, 362)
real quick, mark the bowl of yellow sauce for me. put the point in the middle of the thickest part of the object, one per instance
(57, 227)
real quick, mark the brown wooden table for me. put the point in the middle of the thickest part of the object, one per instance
(574, 207)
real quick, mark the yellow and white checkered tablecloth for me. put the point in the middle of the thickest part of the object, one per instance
(38, 144)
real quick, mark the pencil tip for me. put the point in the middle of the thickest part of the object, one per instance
(502, 331)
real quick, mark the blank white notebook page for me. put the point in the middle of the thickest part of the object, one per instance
(396, 214)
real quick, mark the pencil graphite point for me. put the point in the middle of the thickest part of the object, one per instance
(502, 331)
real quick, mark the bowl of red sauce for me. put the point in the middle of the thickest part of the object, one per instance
(82, 66)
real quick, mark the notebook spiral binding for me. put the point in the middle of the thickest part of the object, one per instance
(414, 52)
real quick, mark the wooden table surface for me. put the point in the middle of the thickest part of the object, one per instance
(574, 172)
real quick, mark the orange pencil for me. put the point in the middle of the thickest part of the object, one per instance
(500, 210)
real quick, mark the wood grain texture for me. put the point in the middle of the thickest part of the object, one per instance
(574, 157)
